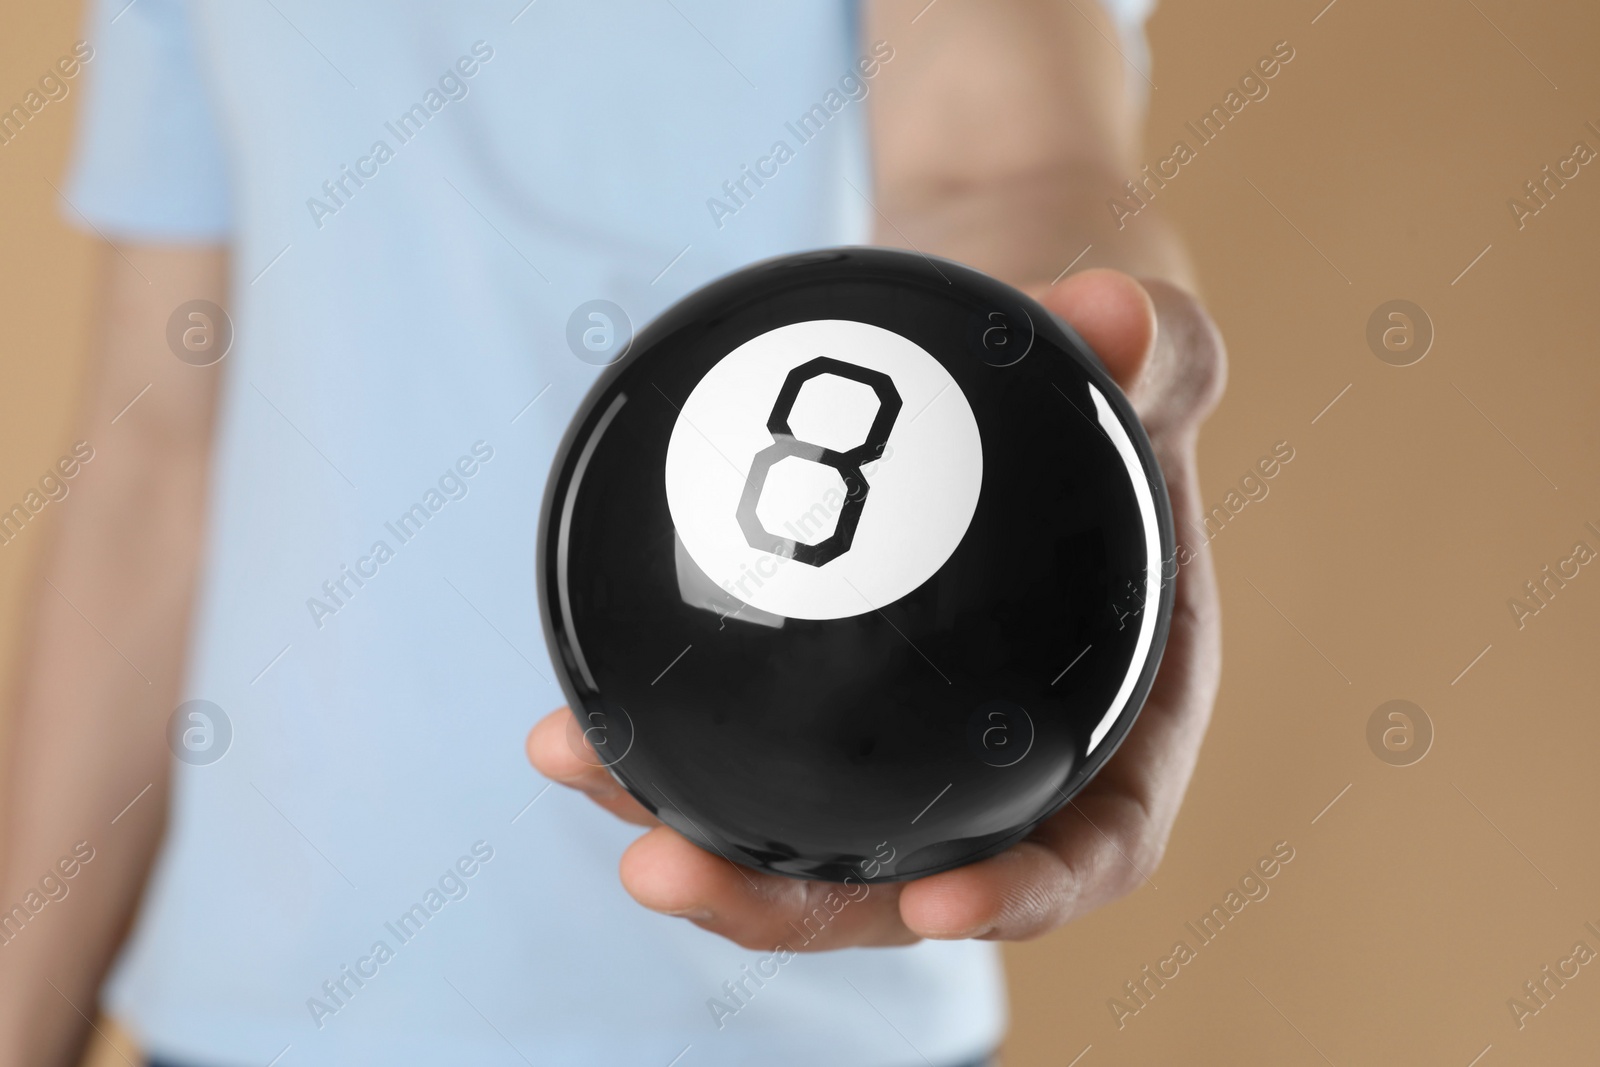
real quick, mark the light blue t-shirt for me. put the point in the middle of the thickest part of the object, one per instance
(417, 196)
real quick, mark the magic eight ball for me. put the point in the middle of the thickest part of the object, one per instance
(851, 568)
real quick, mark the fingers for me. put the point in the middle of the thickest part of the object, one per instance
(1163, 349)
(667, 873)
(1113, 835)
(1158, 756)
(1115, 832)
(1024, 891)
(557, 750)
(1087, 855)
(1184, 378)
(1113, 313)
(1154, 339)
(1109, 840)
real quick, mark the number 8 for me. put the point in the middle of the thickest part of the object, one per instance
(848, 463)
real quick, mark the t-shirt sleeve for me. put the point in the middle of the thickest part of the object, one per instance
(147, 161)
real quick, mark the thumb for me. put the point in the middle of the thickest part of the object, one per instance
(1155, 340)
(1113, 313)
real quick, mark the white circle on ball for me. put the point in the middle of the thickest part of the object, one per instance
(921, 493)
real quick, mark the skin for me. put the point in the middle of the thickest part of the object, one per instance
(87, 729)
(1018, 199)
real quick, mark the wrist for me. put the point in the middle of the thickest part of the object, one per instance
(1026, 228)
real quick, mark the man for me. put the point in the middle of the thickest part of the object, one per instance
(401, 207)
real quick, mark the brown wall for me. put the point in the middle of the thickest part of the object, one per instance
(44, 318)
(1381, 563)
(44, 291)
(1378, 567)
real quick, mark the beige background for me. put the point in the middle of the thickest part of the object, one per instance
(1379, 566)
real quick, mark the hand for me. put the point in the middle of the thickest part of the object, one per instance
(1166, 354)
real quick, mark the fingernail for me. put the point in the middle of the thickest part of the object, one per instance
(694, 915)
(971, 933)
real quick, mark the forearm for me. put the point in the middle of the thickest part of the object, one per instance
(1001, 130)
(88, 756)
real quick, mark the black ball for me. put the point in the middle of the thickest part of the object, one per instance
(852, 567)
